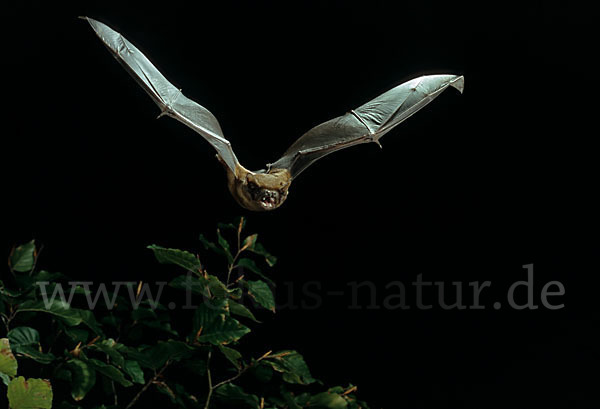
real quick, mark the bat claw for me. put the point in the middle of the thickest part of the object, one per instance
(375, 140)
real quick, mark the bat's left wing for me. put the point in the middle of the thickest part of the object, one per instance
(169, 99)
(367, 123)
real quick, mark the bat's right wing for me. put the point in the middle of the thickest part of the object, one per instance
(169, 99)
(368, 123)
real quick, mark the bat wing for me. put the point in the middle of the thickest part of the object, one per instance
(367, 123)
(169, 99)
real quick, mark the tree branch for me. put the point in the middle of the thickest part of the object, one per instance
(239, 250)
(210, 386)
(147, 385)
(240, 372)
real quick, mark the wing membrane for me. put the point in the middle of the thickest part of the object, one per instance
(169, 98)
(367, 123)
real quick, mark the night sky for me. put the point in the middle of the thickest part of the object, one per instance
(470, 189)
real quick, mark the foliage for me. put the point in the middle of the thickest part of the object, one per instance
(123, 352)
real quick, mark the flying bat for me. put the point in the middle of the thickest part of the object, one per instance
(267, 189)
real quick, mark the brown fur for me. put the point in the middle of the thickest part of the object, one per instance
(276, 179)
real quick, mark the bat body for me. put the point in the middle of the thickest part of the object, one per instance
(267, 189)
(261, 190)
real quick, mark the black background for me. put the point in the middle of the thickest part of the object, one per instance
(469, 189)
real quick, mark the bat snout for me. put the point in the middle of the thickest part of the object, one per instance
(256, 198)
(269, 199)
(266, 199)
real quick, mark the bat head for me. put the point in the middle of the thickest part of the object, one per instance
(260, 191)
(262, 198)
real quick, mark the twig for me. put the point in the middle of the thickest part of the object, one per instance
(112, 385)
(239, 251)
(241, 372)
(8, 318)
(6, 321)
(114, 391)
(210, 386)
(36, 257)
(147, 385)
(239, 232)
(229, 380)
(232, 265)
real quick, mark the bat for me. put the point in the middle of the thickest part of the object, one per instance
(267, 189)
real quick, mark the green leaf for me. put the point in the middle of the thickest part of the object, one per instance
(238, 224)
(225, 246)
(25, 283)
(234, 394)
(22, 258)
(251, 265)
(21, 336)
(262, 372)
(7, 292)
(212, 324)
(327, 400)
(154, 318)
(175, 350)
(292, 365)
(192, 284)
(135, 372)
(62, 372)
(77, 335)
(232, 355)
(289, 399)
(178, 257)
(302, 399)
(3, 299)
(51, 291)
(157, 355)
(260, 250)
(25, 342)
(8, 362)
(34, 353)
(29, 394)
(218, 289)
(62, 310)
(110, 347)
(111, 321)
(241, 310)
(47, 276)
(87, 318)
(226, 226)
(261, 293)
(160, 326)
(110, 371)
(249, 242)
(83, 378)
(143, 313)
(5, 378)
(208, 245)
